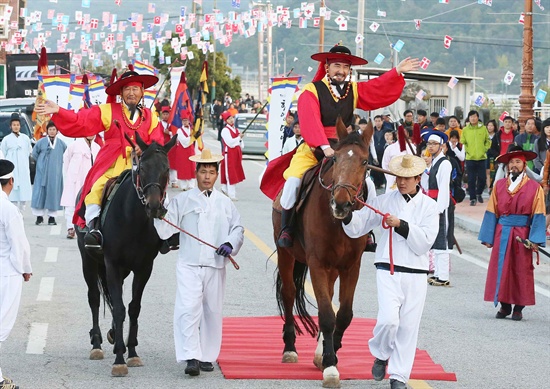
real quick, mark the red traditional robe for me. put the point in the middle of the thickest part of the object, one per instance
(88, 122)
(232, 162)
(510, 277)
(179, 156)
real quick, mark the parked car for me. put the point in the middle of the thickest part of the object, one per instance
(255, 138)
(21, 104)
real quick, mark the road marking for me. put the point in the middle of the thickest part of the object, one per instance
(37, 338)
(414, 384)
(539, 289)
(51, 254)
(55, 230)
(46, 289)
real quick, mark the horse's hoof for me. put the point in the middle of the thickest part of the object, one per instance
(331, 377)
(119, 370)
(111, 336)
(318, 361)
(134, 362)
(96, 354)
(290, 357)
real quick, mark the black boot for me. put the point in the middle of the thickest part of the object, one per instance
(93, 238)
(285, 237)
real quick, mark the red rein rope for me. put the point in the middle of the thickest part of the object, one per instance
(385, 226)
(235, 264)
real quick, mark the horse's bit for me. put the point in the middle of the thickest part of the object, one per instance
(137, 182)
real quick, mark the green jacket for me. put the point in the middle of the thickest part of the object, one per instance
(476, 142)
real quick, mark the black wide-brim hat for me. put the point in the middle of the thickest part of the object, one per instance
(505, 158)
(339, 52)
(129, 76)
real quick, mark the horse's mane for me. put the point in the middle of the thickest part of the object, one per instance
(153, 147)
(353, 138)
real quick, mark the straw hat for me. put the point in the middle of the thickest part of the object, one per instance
(407, 165)
(206, 156)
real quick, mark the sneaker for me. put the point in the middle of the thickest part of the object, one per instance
(431, 279)
(438, 282)
(379, 369)
(517, 316)
(193, 368)
(71, 233)
(51, 221)
(206, 366)
(396, 384)
(480, 199)
(7, 383)
(39, 220)
(473, 202)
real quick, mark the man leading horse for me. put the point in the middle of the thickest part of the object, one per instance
(116, 119)
(329, 95)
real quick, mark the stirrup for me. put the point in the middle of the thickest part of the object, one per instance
(93, 240)
(285, 239)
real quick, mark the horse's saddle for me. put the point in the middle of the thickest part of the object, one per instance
(110, 189)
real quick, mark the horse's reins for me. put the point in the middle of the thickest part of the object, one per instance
(235, 264)
(347, 187)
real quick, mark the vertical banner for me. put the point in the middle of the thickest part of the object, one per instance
(280, 99)
(175, 75)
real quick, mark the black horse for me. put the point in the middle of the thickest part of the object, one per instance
(130, 244)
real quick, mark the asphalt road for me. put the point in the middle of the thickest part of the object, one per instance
(49, 345)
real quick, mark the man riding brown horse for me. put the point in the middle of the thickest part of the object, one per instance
(329, 95)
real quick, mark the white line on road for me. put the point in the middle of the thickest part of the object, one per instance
(539, 289)
(51, 254)
(56, 230)
(46, 289)
(37, 338)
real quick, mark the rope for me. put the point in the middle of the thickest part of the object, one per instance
(235, 264)
(385, 226)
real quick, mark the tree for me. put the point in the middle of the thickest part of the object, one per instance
(193, 68)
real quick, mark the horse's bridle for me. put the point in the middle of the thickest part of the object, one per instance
(350, 188)
(136, 181)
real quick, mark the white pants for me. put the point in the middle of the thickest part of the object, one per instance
(92, 211)
(198, 312)
(173, 176)
(442, 264)
(69, 213)
(400, 304)
(187, 184)
(230, 190)
(10, 297)
(43, 212)
(290, 192)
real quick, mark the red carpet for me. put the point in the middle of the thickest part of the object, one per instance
(252, 349)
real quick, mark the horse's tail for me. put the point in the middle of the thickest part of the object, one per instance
(299, 276)
(102, 284)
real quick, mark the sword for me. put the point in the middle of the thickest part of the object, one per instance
(529, 245)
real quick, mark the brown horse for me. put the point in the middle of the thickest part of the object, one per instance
(322, 246)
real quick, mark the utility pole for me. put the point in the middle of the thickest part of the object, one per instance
(260, 63)
(474, 80)
(321, 30)
(360, 28)
(261, 80)
(269, 44)
(526, 98)
(213, 71)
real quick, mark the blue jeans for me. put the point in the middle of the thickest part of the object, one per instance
(476, 177)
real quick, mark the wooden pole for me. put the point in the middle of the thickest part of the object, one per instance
(322, 30)
(526, 98)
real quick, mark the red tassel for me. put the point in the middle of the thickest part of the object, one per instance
(113, 77)
(416, 134)
(131, 67)
(183, 79)
(43, 62)
(85, 79)
(401, 138)
(321, 73)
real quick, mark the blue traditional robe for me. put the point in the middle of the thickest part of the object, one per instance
(17, 150)
(48, 182)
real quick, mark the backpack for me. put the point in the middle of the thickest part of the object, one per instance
(458, 193)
